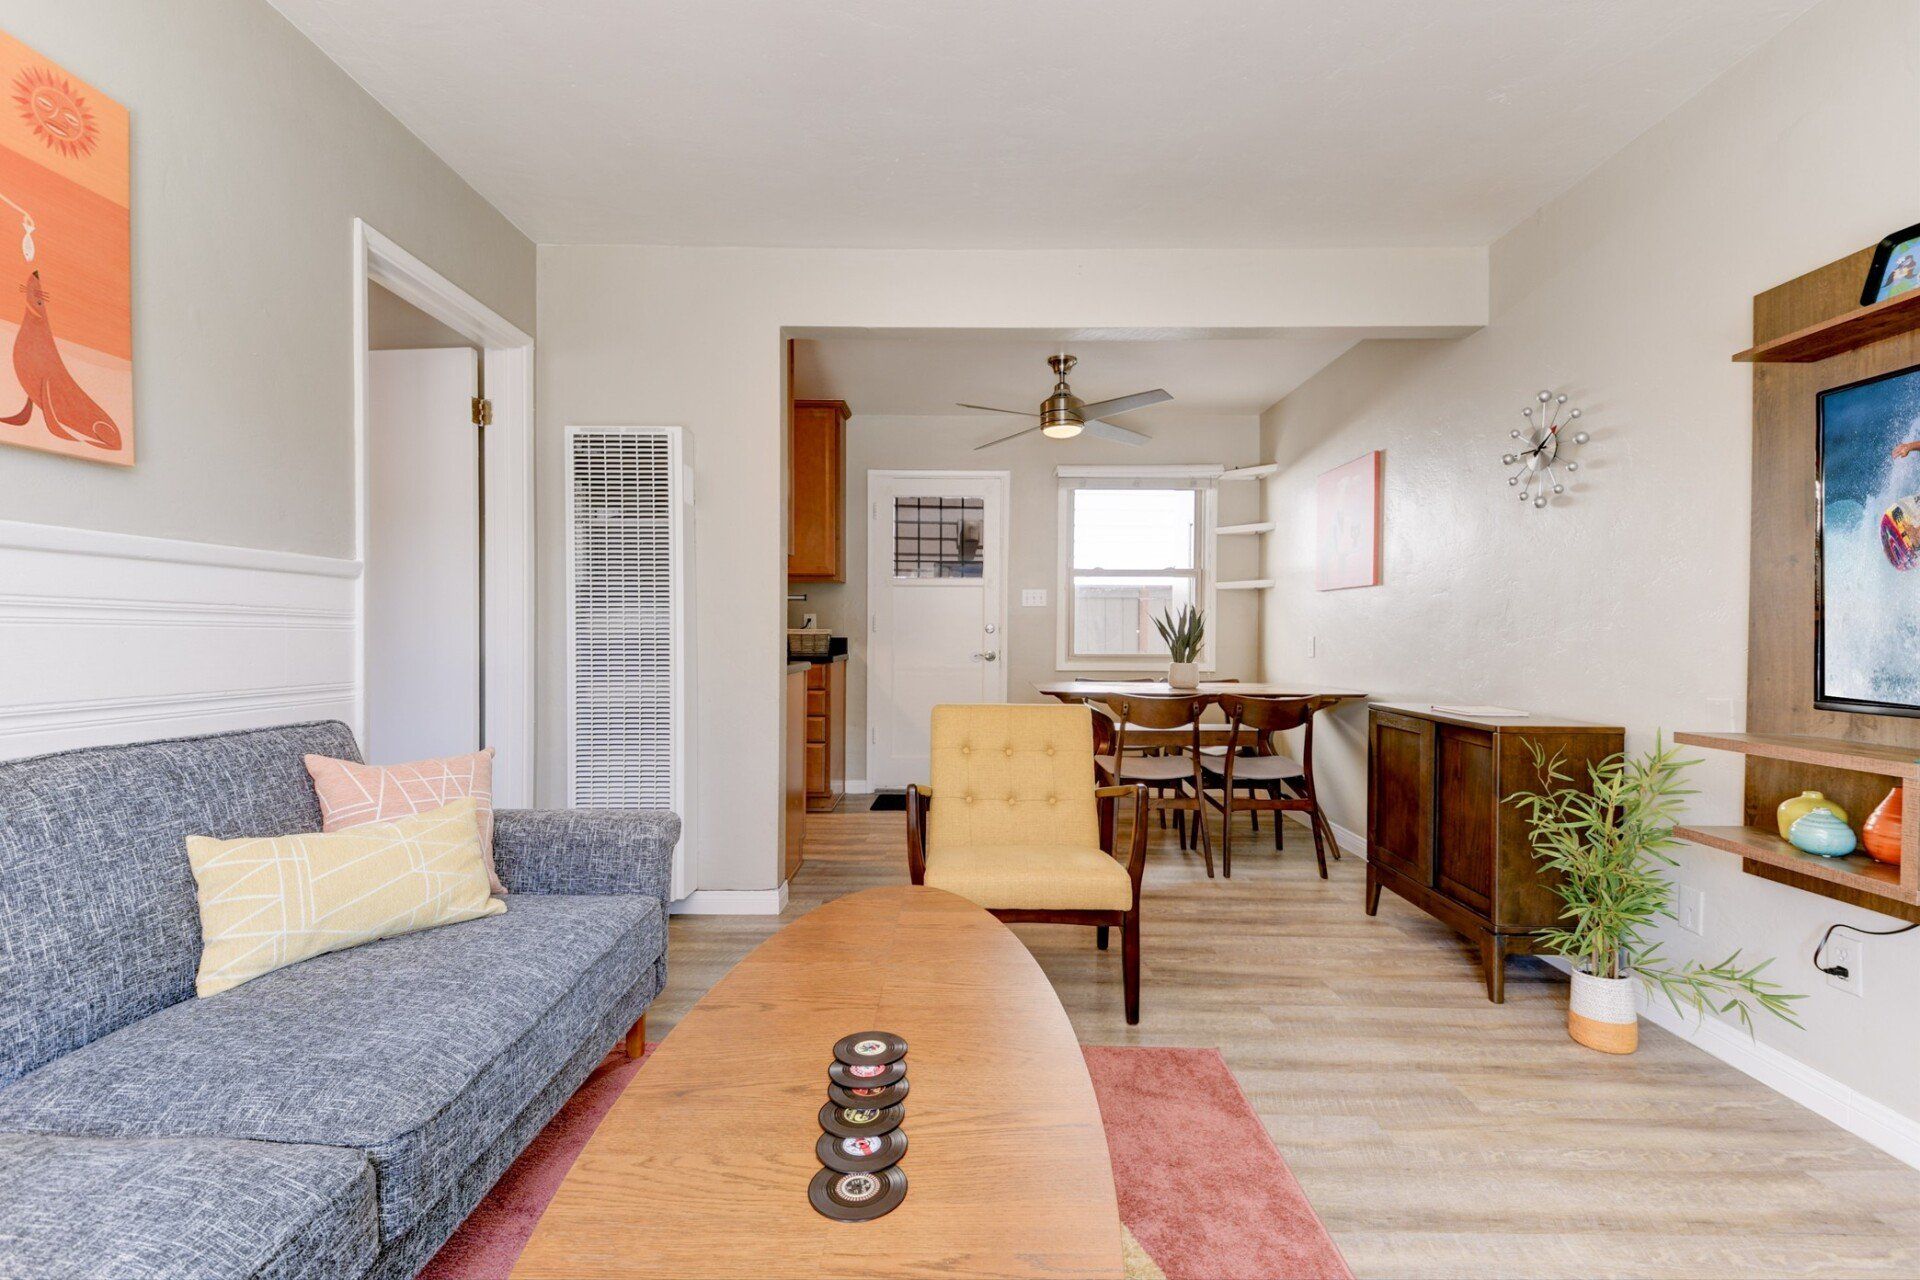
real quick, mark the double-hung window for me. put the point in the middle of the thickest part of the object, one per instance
(1134, 544)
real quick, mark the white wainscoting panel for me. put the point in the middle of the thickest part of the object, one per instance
(110, 638)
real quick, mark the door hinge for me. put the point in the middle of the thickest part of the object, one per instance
(482, 412)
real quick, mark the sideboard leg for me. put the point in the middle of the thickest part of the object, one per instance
(1373, 891)
(1493, 954)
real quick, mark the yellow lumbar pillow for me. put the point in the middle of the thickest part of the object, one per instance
(273, 901)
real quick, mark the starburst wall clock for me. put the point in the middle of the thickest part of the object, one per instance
(1545, 448)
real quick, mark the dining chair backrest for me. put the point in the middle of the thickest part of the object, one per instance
(1261, 718)
(1152, 711)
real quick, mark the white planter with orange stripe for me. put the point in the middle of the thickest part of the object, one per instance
(1602, 1013)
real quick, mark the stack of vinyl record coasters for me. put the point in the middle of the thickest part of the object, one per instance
(863, 1141)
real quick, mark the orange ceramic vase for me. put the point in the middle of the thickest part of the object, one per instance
(1882, 833)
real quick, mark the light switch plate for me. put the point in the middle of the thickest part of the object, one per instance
(1033, 597)
(1692, 909)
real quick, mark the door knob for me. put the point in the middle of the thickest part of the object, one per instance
(987, 657)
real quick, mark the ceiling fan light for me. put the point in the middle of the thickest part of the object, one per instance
(1061, 430)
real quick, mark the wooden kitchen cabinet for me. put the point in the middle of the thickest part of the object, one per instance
(796, 771)
(818, 546)
(826, 734)
(1441, 834)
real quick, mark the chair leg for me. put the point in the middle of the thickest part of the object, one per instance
(1100, 936)
(1319, 846)
(1204, 839)
(1130, 964)
(1279, 819)
(1180, 827)
(1226, 832)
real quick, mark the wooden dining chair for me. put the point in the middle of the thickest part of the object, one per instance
(1178, 771)
(1286, 782)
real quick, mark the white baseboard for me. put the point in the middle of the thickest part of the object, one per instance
(732, 902)
(859, 787)
(1818, 1092)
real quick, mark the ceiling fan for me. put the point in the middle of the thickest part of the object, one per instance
(1063, 415)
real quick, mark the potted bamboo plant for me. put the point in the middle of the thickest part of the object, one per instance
(1183, 634)
(1608, 843)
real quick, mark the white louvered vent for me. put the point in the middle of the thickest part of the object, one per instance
(626, 614)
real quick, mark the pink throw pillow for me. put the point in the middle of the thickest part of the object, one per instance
(352, 795)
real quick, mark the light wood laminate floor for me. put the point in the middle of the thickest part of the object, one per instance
(1437, 1134)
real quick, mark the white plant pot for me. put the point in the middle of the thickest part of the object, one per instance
(1602, 1013)
(1183, 675)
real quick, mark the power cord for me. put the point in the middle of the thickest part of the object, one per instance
(1840, 970)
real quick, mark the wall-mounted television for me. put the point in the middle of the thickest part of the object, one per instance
(1867, 563)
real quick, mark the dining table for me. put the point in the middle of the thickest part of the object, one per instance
(1216, 733)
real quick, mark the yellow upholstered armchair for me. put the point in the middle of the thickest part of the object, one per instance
(1022, 829)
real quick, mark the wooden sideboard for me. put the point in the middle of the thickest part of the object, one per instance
(826, 733)
(1440, 833)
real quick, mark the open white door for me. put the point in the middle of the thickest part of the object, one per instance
(423, 555)
(936, 593)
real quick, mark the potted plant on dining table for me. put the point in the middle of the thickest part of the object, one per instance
(1182, 633)
(1608, 843)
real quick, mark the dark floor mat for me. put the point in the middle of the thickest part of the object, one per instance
(889, 801)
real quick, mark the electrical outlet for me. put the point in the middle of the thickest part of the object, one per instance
(1034, 597)
(1844, 951)
(1691, 907)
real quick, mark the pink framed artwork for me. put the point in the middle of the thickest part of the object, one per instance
(1347, 524)
(66, 285)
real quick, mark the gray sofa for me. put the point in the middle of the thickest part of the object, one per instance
(337, 1118)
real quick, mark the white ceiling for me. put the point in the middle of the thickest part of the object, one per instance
(928, 374)
(1036, 123)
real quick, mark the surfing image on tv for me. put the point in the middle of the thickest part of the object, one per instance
(1867, 571)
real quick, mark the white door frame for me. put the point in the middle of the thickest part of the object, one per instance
(879, 571)
(507, 623)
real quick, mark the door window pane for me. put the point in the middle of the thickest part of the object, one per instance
(1134, 528)
(1115, 615)
(939, 537)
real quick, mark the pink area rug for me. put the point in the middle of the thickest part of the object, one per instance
(1201, 1185)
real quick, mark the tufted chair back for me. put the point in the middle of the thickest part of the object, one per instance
(1012, 775)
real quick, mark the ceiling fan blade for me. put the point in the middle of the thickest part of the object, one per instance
(1107, 431)
(1123, 404)
(1003, 439)
(1018, 413)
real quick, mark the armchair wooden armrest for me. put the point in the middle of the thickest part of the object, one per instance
(918, 801)
(1137, 853)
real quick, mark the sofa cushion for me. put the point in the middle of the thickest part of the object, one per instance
(134, 1208)
(418, 1049)
(98, 922)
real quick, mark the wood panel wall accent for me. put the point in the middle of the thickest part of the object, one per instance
(1781, 593)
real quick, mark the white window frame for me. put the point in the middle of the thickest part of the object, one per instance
(1207, 500)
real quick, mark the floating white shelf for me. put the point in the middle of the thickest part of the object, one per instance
(1258, 526)
(1251, 473)
(1246, 584)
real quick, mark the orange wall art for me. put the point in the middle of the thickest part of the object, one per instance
(66, 269)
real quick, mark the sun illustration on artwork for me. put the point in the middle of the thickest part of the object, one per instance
(55, 111)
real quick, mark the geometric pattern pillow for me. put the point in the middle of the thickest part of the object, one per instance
(272, 901)
(352, 794)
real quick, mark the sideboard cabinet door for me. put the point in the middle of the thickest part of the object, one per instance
(1400, 795)
(1468, 797)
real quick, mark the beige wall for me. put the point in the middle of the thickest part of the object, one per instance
(694, 337)
(252, 155)
(882, 442)
(1629, 603)
(394, 324)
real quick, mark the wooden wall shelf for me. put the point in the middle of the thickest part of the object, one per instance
(1868, 883)
(1845, 332)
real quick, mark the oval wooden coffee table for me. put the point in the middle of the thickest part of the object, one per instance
(701, 1168)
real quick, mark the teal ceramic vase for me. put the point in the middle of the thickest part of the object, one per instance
(1822, 833)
